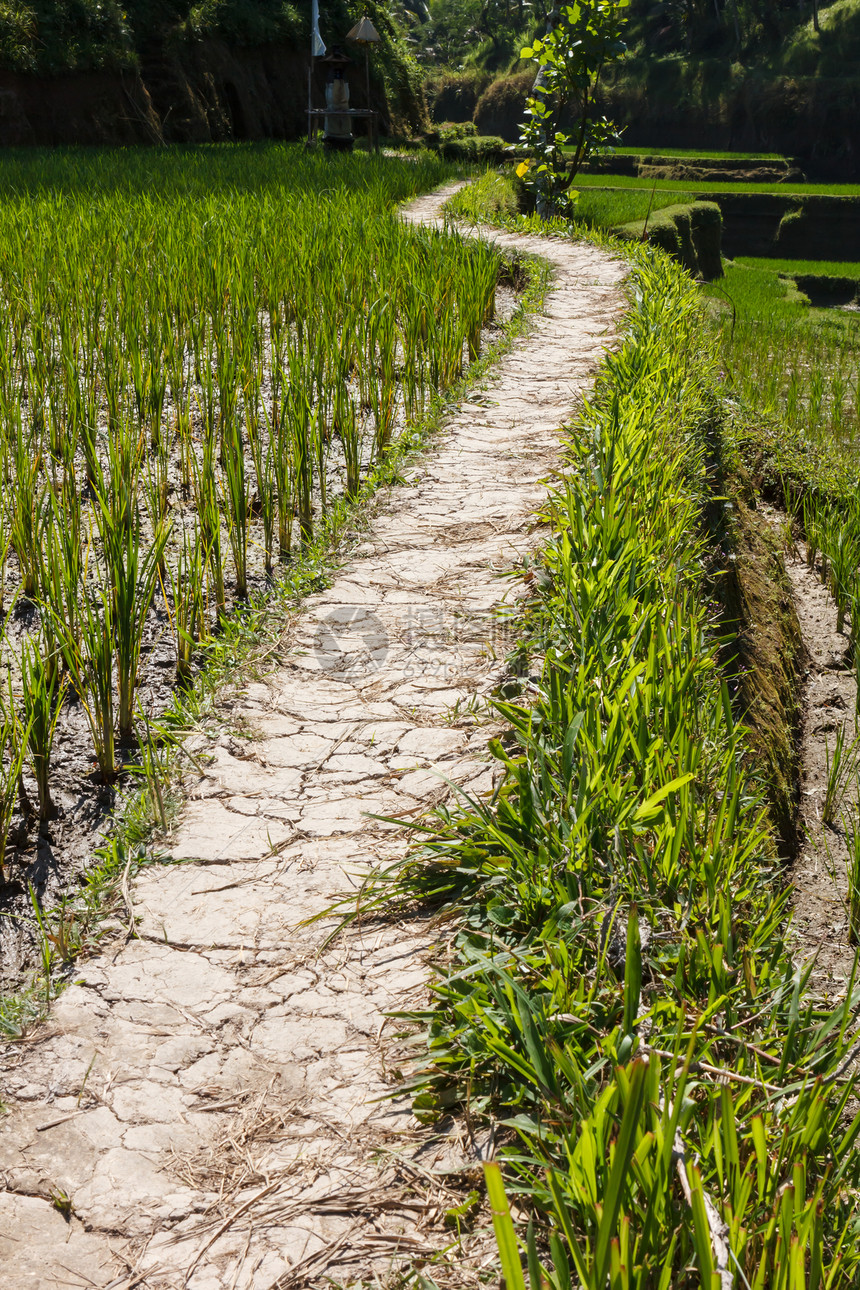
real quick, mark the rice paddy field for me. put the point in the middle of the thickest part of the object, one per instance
(791, 268)
(786, 360)
(709, 186)
(695, 154)
(202, 352)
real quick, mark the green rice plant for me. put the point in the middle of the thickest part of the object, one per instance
(284, 477)
(59, 934)
(62, 565)
(349, 432)
(13, 746)
(5, 544)
(263, 447)
(45, 948)
(209, 519)
(477, 303)
(153, 768)
(840, 765)
(185, 601)
(299, 454)
(90, 445)
(25, 505)
(840, 540)
(237, 509)
(852, 866)
(156, 482)
(173, 321)
(42, 697)
(114, 382)
(381, 351)
(132, 568)
(89, 659)
(126, 454)
(812, 527)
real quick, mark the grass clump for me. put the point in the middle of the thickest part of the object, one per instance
(494, 195)
(802, 268)
(619, 998)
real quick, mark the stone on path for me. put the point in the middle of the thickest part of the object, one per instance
(212, 1100)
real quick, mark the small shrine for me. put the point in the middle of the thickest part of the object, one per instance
(337, 116)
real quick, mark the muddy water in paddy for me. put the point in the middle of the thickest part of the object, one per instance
(208, 1096)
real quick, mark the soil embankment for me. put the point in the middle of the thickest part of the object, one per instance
(207, 92)
(203, 1108)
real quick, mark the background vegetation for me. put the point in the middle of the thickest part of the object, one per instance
(725, 73)
(52, 36)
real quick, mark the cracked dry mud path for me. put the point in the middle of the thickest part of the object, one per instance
(207, 1097)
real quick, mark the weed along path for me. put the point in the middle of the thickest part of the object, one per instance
(209, 1106)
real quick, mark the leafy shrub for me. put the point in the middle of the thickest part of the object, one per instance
(17, 29)
(500, 108)
(77, 35)
(453, 96)
(456, 130)
(247, 24)
(481, 147)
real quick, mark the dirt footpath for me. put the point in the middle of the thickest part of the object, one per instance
(210, 1106)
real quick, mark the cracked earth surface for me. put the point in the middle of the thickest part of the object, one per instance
(205, 1101)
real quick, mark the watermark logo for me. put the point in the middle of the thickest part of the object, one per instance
(422, 641)
(351, 638)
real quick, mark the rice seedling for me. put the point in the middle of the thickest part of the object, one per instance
(209, 519)
(62, 566)
(26, 509)
(262, 449)
(185, 601)
(381, 342)
(42, 696)
(132, 568)
(349, 432)
(88, 657)
(852, 837)
(237, 509)
(152, 768)
(794, 363)
(841, 764)
(300, 454)
(13, 746)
